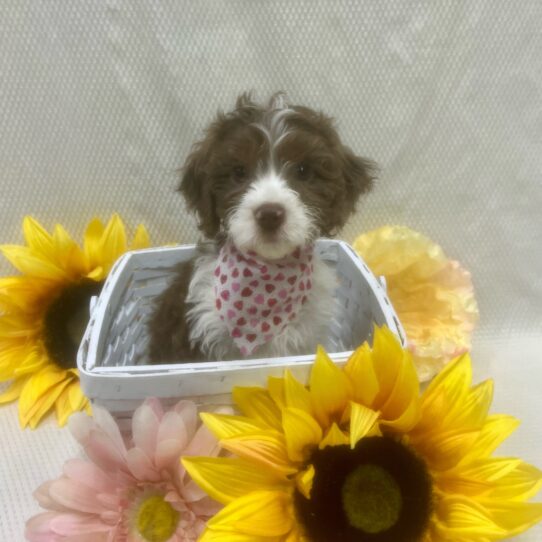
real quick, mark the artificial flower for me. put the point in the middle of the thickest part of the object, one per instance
(129, 489)
(432, 295)
(360, 456)
(44, 312)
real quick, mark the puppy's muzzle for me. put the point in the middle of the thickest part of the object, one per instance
(270, 217)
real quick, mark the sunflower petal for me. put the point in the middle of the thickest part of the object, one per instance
(304, 480)
(514, 517)
(260, 513)
(226, 479)
(360, 370)
(14, 391)
(92, 243)
(113, 242)
(334, 437)
(276, 390)
(362, 420)
(141, 238)
(211, 535)
(302, 433)
(36, 237)
(330, 389)
(257, 403)
(496, 430)
(460, 518)
(295, 394)
(266, 448)
(28, 263)
(226, 425)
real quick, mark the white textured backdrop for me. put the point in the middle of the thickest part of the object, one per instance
(100, 101)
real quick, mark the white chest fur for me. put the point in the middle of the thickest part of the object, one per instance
(301, 336)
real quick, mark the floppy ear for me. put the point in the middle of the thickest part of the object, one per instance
(359, 174)
(196, 188)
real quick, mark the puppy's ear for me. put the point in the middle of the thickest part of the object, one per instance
(196, 188)
(359, 174)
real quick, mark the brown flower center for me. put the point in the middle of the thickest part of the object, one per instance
(66, 319)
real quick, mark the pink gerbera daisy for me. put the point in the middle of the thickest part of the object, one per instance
(131, 490)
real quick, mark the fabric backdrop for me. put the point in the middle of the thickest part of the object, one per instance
(101, 100)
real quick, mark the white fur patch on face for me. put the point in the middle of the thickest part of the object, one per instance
(298, 227)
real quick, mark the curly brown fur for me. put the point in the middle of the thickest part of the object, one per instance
(299, 152)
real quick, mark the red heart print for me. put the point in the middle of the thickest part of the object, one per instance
(265, 327)
(263, 269)
(230, 314)
(252, 310)
(246, 292)
(241, 321)
(283, 294)
(235, 286)
(238, 305)
(303, 266)
(235, 273)
(225, 295)
(259, 299)
(277, 320)
(247, 272)
(218, 304)
(309, 284)
(271, 302)
(297, 253)
(217, 271)
(254, 283)
(266, 313)
(302, 285)
(266, 277)
(292, 280)
(236, 332)
(279, 277)
(251, 337)
(223, 279)
(269, 288)
(288, 308)
(303, 299)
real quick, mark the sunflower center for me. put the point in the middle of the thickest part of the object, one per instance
(379, 492)
(156, 519)
(371, 499)
(66, 320)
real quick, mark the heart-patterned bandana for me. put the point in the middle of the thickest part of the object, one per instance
(258, 298)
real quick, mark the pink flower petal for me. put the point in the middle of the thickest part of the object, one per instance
(106, 422)
(168, 453)
(38, 528)
(173, 427)
(141, 466)
(191, 492)
(155, 405)
(75, 496)
(44, 498)
(189, 413)
(206, 507)
(101, 450)
(88, 474)
(203, 443)
(145, 425)
(80, 426)
(73, 524)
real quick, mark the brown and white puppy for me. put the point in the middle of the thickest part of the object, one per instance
(268, 179)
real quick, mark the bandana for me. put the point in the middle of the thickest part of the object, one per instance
(258, 298)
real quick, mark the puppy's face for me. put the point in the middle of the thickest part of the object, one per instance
(273, 178)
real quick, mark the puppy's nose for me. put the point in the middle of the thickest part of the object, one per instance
(270, 216)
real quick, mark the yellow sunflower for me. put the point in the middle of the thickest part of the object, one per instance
(360, 456)
(44, 312)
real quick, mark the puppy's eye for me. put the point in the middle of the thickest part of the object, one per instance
(302, 171)
(239, 173)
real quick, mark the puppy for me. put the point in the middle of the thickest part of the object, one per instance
(264, 182)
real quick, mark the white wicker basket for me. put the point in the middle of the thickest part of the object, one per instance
(113, 362)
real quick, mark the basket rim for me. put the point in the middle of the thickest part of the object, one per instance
(92, 338)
